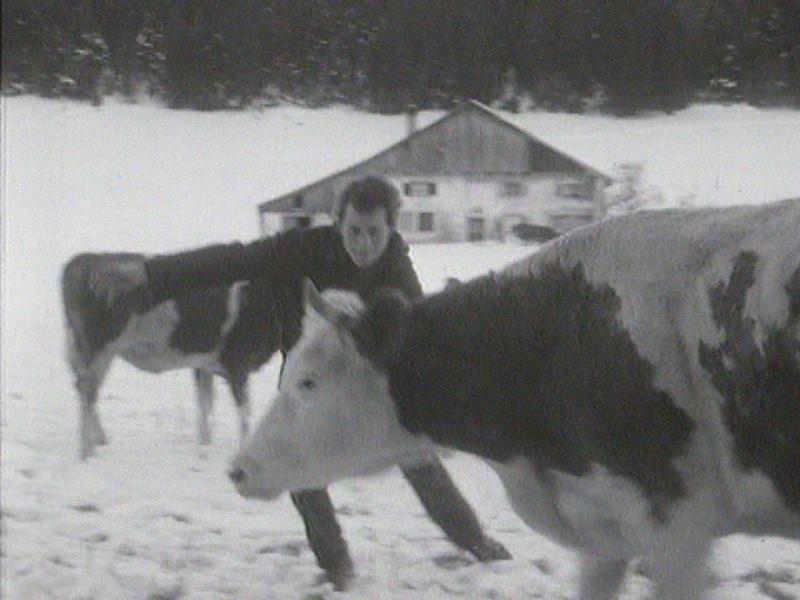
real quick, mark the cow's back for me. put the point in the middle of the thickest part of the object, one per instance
(663, 266)
(711, 299)
(654, 250)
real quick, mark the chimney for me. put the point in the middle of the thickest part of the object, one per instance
(411, 119)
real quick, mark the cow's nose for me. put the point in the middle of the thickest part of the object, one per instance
(236, 475)
(245, 474)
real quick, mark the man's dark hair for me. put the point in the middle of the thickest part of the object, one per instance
(368, 194)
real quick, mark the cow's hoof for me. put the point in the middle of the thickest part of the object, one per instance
(341, 577)
(490, 550)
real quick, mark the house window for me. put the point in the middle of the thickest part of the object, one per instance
(296, 222)
(426, 221)
(297, 201)
(419, 188)
(405, 221)
(580, 190)
(512, 189)
(562, 223)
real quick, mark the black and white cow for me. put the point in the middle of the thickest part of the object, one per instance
(635, 384)
(229, 331)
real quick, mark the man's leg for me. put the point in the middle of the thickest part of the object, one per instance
(450, 510)
(323, 531)
(325, 536)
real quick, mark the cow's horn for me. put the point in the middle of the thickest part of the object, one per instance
(314, 299)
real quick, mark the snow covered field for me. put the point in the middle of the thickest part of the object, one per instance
(153, 515)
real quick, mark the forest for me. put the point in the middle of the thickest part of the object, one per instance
(610, 56)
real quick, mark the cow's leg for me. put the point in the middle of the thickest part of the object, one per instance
(241, 395)
(87, 386)
(325, 536)
(97, 431)
(204, 387)
(678, 562)
(682, 576)
(87, 382)
(450, 510)
(600, 578)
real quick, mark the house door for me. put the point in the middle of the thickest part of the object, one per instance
(476, 228)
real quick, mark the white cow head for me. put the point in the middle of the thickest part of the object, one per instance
(333, 416)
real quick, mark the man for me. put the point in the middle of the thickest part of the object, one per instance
(362, 252)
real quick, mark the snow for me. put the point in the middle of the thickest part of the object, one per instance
(153, 515)
(703, 155)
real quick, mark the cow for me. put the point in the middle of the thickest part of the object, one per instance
(635, 384)
(227, 331)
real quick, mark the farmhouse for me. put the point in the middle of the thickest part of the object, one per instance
(471, 175)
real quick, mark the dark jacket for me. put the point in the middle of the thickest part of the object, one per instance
(284, 260)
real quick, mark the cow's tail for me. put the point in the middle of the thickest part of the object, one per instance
(74, 288)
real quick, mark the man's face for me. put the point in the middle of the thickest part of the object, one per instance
(365, 235)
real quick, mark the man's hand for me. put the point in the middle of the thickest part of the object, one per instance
(122, 281)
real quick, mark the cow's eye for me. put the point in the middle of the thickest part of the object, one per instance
(308, 384)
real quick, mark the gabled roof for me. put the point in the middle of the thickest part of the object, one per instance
(534, 138)
(286, 202)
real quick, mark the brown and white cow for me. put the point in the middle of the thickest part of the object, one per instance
(635, 384)
(227, 331)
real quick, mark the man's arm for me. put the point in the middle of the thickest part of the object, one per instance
(277, 256)
(145, 283)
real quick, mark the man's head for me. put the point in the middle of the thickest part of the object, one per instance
(366, 216)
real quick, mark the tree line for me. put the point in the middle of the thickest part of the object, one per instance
(384, 55)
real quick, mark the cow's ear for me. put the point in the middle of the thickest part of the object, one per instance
(380, 332)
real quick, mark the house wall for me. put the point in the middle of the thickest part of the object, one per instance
(274, 222)
(464, 208)
(480, 206)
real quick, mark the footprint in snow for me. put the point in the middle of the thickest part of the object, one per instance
(294, 548)
(769, 583)
(773, 591)
(543, 566)
(178, 517)
(61, 562)
(451, 562)
(347, 510)
(86, 507)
